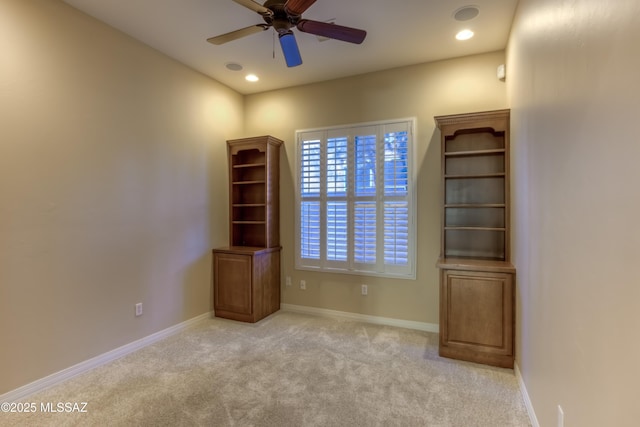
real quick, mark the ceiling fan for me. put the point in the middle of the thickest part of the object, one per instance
(282, 15)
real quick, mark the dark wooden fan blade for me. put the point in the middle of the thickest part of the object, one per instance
(332, 31)
(234, 35)
(256, 7)
(297, 7)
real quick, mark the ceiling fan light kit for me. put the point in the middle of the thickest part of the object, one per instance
(283, 15)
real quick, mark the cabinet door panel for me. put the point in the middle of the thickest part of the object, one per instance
(233, 280)
(477, 312)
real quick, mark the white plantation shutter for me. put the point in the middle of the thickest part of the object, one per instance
(310, 230)
(355, 199)
(309, 214)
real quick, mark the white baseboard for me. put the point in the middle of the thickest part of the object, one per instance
(87, 365)
(408, 324)
(525, 397)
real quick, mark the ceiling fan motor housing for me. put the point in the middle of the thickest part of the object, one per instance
(279, 19)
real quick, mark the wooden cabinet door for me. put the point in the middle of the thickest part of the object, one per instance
(477, 317)
(233, 283)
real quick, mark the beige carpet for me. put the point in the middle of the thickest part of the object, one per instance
(287, 370)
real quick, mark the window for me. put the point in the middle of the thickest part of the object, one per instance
(355, 199)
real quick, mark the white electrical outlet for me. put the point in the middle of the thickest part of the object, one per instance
(560, 416)
(288, 281)
(365, 289)
(303, 284)
(139, 309)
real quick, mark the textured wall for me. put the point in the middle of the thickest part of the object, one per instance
(110, 157)
(572, 83)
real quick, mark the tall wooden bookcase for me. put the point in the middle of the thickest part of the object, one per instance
(246, 274)
(477, 278)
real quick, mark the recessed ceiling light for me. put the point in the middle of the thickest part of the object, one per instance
(252, 78)
(464, 35)
(466, 13)
(233, 66)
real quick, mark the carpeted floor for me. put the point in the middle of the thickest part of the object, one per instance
(287, 370)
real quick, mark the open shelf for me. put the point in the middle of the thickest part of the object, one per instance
(473, 153)
(476, 228)
(481, 243)
(253, 176)
(486, 175)
(262, 181)
(469, 190)
(475, 217)
(250, 165)
(475, 205)
(465, 141)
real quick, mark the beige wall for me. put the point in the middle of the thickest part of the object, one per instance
(110, 157)
(422, 91)
(573, 68)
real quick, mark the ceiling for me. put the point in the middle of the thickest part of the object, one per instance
(399, 33)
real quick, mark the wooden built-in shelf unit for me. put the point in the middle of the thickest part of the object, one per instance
(477, 278)
(246, 274)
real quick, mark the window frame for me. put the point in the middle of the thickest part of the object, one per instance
(350, 266)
